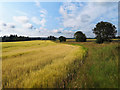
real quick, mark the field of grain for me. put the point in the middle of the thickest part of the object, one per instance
(36, 64)
(88, 40)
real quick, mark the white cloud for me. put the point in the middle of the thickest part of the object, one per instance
(7, 25)
(63, 12)
(56, 31)
(2, 24)
(43, 11)
(11, 25)
(27, 26)
(36, 20)
(75, 16)
(37, 3)
(7, 28)
(43, 21)
(62, 32)
(92, 0)
(43, 29)
(42, 15)
(24, 30)
(86, 17)
(102, 0)
(21, 19)
(23, 25)
(39, 22)
(70, 6)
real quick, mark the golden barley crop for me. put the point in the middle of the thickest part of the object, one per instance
(39, 64)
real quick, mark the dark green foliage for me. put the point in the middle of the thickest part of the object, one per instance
(80, 37)
(99, 40)
(104, 31)
(62, 39)
(14, 38)
(52, 38)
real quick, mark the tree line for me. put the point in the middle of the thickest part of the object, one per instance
(13, 38)
(104, 32)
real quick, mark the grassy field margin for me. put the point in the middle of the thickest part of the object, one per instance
(100, 69)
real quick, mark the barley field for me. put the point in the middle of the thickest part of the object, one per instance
(39, 64)
(88, 40)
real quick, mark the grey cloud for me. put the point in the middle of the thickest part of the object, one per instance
(7, 25)
(12, 26)
(21, 19)
(30, 27)
(59, 32)
(4, 24)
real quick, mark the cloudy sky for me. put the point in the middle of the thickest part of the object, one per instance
(55, 18)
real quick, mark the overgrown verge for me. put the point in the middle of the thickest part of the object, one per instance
(100, 69)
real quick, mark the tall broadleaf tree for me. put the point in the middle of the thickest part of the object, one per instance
(105, 31)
